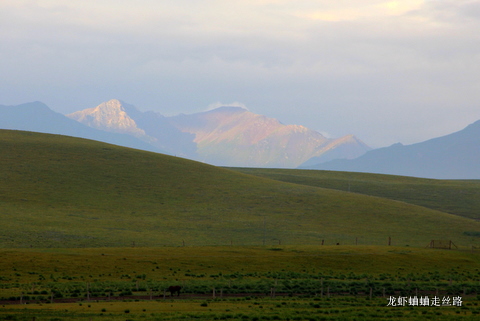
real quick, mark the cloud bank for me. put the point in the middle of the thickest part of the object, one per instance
(385, 71)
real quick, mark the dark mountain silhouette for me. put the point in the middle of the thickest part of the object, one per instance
(37, 117)
(454, 156)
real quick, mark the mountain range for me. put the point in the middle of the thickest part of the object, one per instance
(38, 117)
(454, 156)
(234, 136)
(225, 136)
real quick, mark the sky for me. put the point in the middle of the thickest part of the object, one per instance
(386, 71)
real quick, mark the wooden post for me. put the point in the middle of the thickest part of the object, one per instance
(323, 241)
(321, 282)
(371, 293)
(272, 293)
(389, 241)
(213, 296)
(164, 294)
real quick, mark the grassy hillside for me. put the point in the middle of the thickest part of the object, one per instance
(60, 191)
(459, 197)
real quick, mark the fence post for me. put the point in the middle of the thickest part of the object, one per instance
(88, 291)
(272, 293)
(321, 294)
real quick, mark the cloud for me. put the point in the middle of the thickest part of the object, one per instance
(339, 65)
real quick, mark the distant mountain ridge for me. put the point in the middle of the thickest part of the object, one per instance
(37, 117)
(226, 136)
(109, 116)
(150, 127)
(234, 136)
(454, 156)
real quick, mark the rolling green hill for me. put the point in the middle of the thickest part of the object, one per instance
(459, 197)
(60, 191)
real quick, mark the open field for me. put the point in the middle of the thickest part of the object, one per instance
(458, 197)
(310, 282)
(61, 191)
(250, 308)
(92, 231)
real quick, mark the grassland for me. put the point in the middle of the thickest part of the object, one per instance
(92, 231)
(61, 191)
(458, 197)
(311, 282)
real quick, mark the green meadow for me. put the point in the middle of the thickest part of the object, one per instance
(92, 231)
(61, 191)
(458, 197)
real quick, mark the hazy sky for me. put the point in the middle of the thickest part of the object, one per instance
(385, 71)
